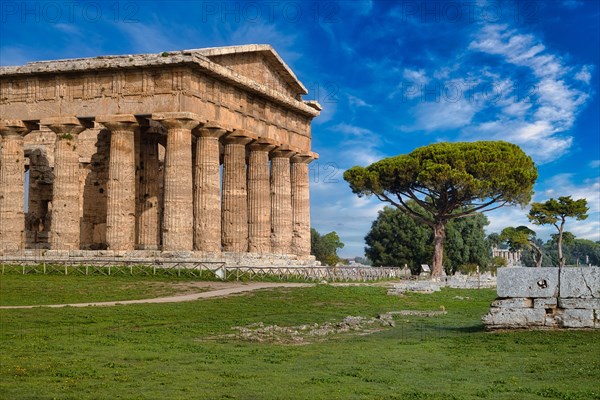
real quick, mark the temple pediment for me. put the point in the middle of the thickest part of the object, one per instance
(260, 63)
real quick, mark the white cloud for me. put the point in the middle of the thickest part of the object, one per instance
(418, 77)
(358, 146)
(507, 216)
(148, 37)
(336, 208)
(440, 115)
(518, 49)
(357, 102)
(536, 115)
(562, 185)
(595, 164)
(585, 74)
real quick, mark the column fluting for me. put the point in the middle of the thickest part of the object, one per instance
(300, 204)
(12, 185)
(235, 204)
(178, 221)
(149, 195)
(65, 223)
(259, 198)
(207, 189)
(121, 185)
(281, 201)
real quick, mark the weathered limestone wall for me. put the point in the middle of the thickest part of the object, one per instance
(546, 298)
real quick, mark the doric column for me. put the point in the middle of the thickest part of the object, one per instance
(12, 185)
(207, 188)
(259, 197)
(235, 204)
(121, 195)
(178, 198)
(281, 201)
(300, 204)
(64, 231)
(149, 193)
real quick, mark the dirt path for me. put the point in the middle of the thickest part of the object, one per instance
(226, 290)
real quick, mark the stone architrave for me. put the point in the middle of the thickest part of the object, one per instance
(121, 195)
(178, 211)
(281, 200)
(259, 198)
(149, 194)
(235, 204)
(300, 204)
(207, 188)
(65, 225)
(12, 185)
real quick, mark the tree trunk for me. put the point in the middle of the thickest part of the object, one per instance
(439, 236)
(561, 261)
(540, 255)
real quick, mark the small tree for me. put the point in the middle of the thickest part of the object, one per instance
(555, 212)
(324, 247)
(521, 238)
(448, 181)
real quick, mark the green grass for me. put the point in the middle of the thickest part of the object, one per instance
(167, 351)
(37, 289)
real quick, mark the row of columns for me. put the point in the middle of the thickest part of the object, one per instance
(260, 210)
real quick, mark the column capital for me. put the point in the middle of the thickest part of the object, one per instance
(178, 120)
(66, 126)
(240, 136)
(284, 151)
(119, 122)
(304, 158)
(263, 144)
(14, 127)
(210, 129)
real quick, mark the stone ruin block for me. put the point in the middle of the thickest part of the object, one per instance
(530, 298)
(578, 318)
(545, 303)
(515, 318)
(581, 282)
(586, 304)
(527, 282)
(519, 302)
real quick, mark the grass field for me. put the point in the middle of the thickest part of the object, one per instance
(60, 289)
(180, 351)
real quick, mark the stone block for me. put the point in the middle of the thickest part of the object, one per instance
(544, 303)
(582, 282)
(519, 302)
(515, 318)
(576, 318)
(550, 321)
(586, 304)
(527, 282)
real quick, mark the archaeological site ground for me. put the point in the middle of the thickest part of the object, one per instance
(278, 343)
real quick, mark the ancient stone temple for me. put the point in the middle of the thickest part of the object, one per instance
(203, 150)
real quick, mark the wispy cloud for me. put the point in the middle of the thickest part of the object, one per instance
(563, 185)
(359, 146)
(543, 112)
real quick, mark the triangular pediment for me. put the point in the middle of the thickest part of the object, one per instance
(260, 63)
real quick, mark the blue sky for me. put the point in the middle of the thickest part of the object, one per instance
(391, 76)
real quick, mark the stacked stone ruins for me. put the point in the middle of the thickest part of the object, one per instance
(546, 298)
(201, 150)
